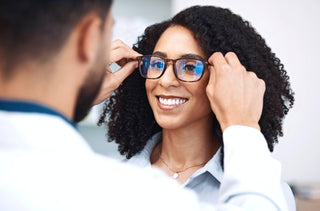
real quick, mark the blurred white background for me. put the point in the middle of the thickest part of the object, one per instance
(291, 28)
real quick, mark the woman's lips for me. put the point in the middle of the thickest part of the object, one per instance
(168, 103)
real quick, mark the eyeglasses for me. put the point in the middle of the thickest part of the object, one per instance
(185, 69)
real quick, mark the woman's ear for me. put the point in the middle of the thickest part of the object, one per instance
(90, 34)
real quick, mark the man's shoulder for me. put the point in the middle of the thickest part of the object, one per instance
(81, 178)
(37, 131)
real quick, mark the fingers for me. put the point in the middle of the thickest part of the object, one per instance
(113, 80)
(120, 53)
(124, 72)
(217, 60)
(232, 59)
(235, 94)
(227, 62)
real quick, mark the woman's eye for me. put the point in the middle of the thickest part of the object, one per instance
(190, 67)
(157, 65)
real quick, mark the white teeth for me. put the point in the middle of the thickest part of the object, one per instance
(171, 101)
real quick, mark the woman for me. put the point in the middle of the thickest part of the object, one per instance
(166, 121)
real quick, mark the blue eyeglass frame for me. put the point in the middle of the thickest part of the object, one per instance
(166, 60)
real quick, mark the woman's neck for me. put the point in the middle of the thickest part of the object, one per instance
(184, 147)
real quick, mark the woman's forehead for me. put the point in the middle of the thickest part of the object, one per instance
(176, 41)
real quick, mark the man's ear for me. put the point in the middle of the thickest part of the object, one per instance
(89, 38)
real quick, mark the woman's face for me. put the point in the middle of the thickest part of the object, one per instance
(177, 104)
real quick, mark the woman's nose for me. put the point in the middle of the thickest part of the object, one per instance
(169, 78)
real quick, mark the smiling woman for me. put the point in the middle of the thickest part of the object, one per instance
(179, 121)
(164, 119)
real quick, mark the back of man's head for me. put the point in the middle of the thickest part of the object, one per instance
(35, 30)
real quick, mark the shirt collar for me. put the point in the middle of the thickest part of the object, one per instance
(213, 166)
(142, 159)
(31, 107)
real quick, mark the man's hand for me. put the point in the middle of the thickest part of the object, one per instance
(120, 53)
(235, 95)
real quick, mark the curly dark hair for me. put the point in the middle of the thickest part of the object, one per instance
(131, 122)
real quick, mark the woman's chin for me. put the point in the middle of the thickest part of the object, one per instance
(169, 124)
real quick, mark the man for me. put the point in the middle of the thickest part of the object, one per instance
(53, 57)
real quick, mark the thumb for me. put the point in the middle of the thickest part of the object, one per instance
(211, 83)
(212, 71)
(212, 76)
(113, 80)
(121, 74)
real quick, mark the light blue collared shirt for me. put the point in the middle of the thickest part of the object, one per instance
(206, 180)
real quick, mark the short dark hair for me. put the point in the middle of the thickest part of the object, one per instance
(37, 29)
(132, 122)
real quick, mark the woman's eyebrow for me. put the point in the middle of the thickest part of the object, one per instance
(159, 53)
(191, 56)
(184, 56)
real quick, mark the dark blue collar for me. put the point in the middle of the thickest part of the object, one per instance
(31, 107)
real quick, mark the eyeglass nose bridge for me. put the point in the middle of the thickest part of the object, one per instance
(170, 62)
